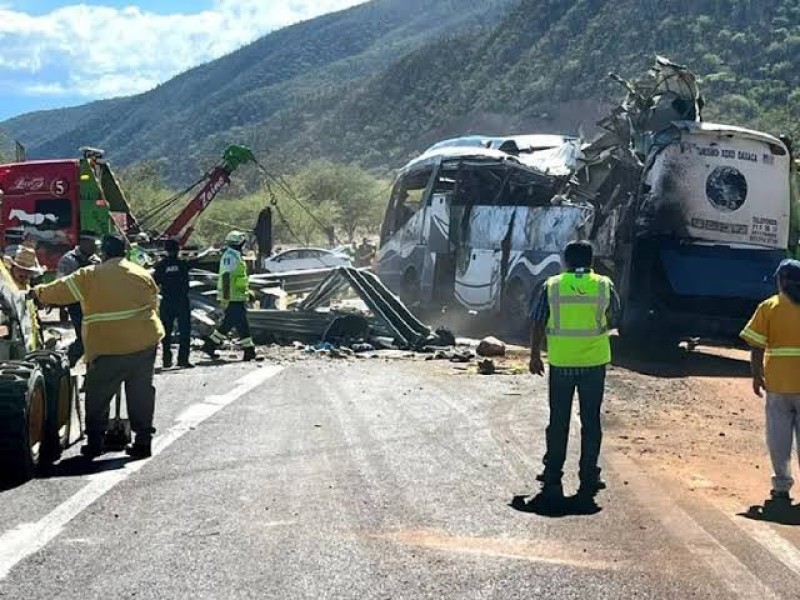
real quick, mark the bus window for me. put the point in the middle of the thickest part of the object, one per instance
(408, 195)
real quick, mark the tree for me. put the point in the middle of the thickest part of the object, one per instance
(356, 195)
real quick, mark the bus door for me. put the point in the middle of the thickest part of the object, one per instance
(482, 228)
(438, 275)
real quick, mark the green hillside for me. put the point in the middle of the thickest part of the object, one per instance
(545, 69)
(379, 82)
(183, 120)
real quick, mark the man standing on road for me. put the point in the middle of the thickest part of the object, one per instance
(172, 276)
(774, 335)
(574, 312)
(121, 331)
(83, 255)
(233, 291)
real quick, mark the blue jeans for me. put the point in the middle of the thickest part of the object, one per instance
(590, 384)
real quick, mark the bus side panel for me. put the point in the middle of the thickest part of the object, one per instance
(403, 257)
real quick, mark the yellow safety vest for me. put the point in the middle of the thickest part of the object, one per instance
(577, 330)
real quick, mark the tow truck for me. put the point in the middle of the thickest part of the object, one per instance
(54, 200)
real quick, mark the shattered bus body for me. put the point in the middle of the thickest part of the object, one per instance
(689, 218)
(474, 226)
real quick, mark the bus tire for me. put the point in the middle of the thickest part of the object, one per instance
(23, 407)
(60, 400)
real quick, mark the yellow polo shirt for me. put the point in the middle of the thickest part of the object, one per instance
(775, 327)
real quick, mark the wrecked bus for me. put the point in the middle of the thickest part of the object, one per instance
(710, 223)
(473, 226)
(689, 218)
(691, 238)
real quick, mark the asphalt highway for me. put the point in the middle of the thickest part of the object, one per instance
(367, 479)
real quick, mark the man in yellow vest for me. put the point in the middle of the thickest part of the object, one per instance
(233, 292)
(774, 335)
(121, 331)
(574, 312)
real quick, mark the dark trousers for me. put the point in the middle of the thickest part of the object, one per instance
(236, 318)
(104, 376)
(179, 310)
(75, 350)
(590, 384)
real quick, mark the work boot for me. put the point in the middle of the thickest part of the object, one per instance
(167, 360)
(210, 348)
(590, 488)
(552, 491)
(139, 450)
(249, 354)
(780, 497)
(185, 364)
(93, 448)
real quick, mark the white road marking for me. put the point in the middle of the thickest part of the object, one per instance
(27, 539)
(778, 546)
(730, 571)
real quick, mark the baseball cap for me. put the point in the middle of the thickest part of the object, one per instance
(789, 270)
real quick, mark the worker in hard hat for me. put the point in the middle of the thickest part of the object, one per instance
(233, 291)
(136, 254)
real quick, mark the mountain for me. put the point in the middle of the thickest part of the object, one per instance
(379, 82)
(544, 69)
(195, 114)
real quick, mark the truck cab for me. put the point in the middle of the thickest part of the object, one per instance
(53, 200)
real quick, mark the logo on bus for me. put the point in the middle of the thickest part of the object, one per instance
(726, 189)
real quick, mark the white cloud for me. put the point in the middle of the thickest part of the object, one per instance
(98, 52)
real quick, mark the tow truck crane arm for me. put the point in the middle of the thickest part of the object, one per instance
(182, 227)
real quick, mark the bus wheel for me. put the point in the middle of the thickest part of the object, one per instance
(410, 288)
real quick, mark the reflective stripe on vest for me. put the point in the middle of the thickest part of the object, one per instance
(557, 300)
(74, 289)
(794, 352)
(120, 315)
(753, 336)
(577, 330)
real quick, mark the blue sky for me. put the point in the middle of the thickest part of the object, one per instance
(56, 53)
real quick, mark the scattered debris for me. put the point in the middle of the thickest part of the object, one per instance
(487, 367)
(491, 347)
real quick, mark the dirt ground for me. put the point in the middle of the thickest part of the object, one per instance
(690, 417)
(694, 418)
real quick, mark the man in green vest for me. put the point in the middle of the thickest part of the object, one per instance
(233, 292)
(573, 313)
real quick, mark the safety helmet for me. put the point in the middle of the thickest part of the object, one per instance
(235, 238)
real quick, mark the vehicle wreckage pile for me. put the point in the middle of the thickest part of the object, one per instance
(343, 306)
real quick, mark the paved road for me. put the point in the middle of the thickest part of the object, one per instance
(368, 479)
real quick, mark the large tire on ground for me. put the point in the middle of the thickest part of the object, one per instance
(60, 400)
(23, 407)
